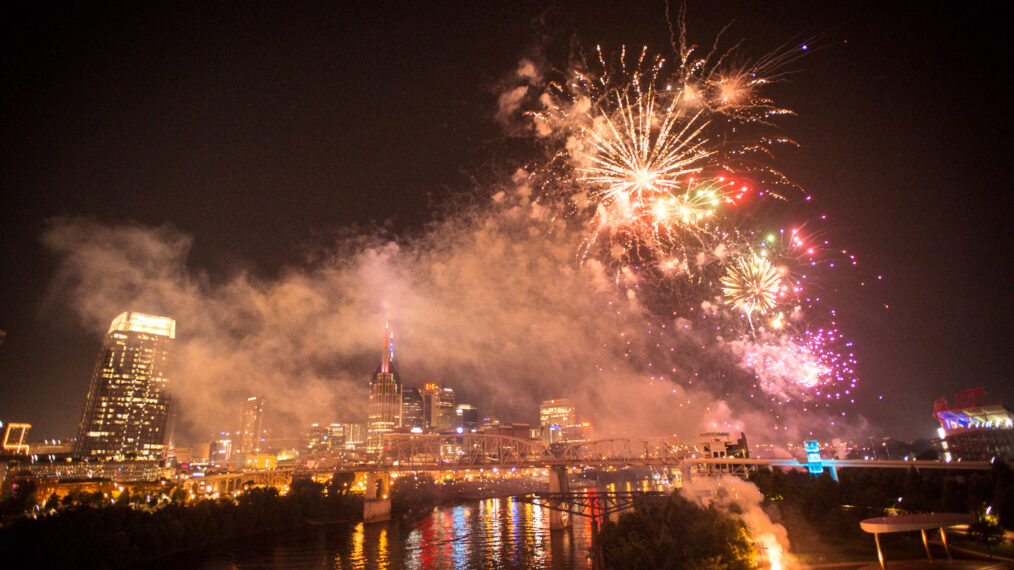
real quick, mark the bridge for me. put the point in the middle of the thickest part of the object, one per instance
(421, 452)
(456, 452)
(222, 483)
(429, 452)
(444, 452)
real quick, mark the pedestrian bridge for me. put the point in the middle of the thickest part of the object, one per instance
(430, 452)
(451, 452)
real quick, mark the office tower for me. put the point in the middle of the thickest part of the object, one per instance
(446, 415)
(355, 436)
(412, 409)
(127, 407)
(553, 416)
(430, 394)
(250, 425)
(578, 432)
(221, 449)
(315, 439)
(438, 408)
(336, 437)
(384, 412)
(466, 417)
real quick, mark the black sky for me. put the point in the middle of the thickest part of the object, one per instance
(262, 129)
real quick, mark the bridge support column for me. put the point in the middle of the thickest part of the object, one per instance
(686, 476)
(559, 483)
(377, 500)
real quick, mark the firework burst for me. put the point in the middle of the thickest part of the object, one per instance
(754, 285)
(668, 168)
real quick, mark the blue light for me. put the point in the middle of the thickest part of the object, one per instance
(814, 464)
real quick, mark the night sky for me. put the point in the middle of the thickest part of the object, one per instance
(263, 131)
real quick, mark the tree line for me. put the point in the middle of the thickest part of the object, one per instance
(94, 533)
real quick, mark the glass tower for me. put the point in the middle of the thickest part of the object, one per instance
(127, 408)
(412, 409)
(250, 425)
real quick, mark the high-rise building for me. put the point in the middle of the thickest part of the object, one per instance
(446, 415)
(384, 412)
(577, 433)
(430, 396)
(412, 409)
(553, 416)
(466, 417)
(439, 412)
(127, 407)
(220, 451)
(336, 437)
(355, 436)
(316, 438)
(250, 425)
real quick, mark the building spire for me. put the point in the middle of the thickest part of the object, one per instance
(388, 356)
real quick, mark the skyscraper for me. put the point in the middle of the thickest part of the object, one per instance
(438, 407)
(355, 436)
(127, 407)
(336, 437)
(430, 396)
(554, 415)
(384, 413)
(466, 417)
(412, 409)
(250, 425)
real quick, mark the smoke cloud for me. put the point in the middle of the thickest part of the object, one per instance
(491, 302)
(743, 500)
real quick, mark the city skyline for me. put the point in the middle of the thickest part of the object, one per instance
(219, 188)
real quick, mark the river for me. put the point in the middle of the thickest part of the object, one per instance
(489, 533)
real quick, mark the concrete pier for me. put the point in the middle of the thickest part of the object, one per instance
(377, 500)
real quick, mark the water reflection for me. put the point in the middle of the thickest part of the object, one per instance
(492, 533)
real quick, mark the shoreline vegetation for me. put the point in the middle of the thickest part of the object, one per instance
(118, 535)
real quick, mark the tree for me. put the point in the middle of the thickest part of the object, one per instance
(21, 499)
(414, 493)
(986, 530)
(341, 483)
(678, 535)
